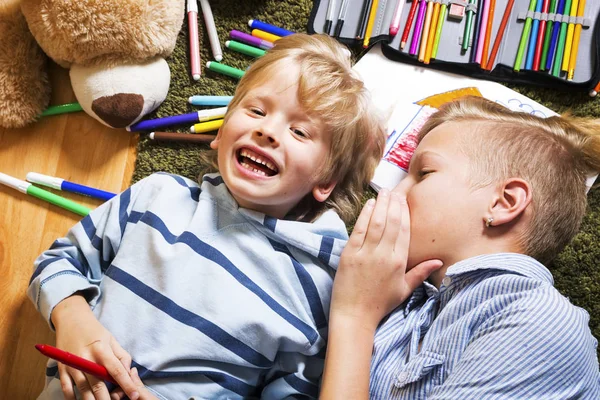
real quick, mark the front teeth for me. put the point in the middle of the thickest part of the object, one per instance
(259, 160)
(258, 171)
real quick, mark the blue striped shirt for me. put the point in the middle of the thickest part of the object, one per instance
(211, 300)
(496, 329)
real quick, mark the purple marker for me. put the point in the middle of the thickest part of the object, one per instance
(414, 45)
(251, 40)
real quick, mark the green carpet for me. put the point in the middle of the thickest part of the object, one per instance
(576, 271)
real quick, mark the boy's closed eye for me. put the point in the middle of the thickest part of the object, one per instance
(257, 111)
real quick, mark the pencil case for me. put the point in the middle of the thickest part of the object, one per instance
(451, 56)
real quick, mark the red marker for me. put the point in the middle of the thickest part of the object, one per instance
(73, 361)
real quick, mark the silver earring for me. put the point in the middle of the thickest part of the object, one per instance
(489, 221)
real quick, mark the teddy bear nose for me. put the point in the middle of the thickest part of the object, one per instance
(119, 110)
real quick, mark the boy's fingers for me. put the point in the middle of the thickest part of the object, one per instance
(118, 372)
(357, 237)
(82, 384)
(98, 388)
(393, 223)
(66, 384)
(377, 223)
(121, 354)
(403, 237)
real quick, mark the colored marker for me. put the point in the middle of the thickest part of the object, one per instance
(537, 56)
(244, 49)
(569, 40)
(548, 36)
(552, 49)
(61, 109)
(426, 32)
(269, 37)
(211, 29)
(524, 37)
(479, 32)
(263, 26)
(341, 18)
(61, 184)
(395, 25)
(182, 119)
(488, 34)
(499, 35)
(575, 46)
(192, 12)
(329, 17)
(529, 56)
(560, 46)
(468, 28)
(204, 127)
(438, 30)
(210, 100)
(251, 40)
(414, 44)
(28, 188)
(482, 31)
(409, 21)
(225, 69)
(181, 137)
(73, 361)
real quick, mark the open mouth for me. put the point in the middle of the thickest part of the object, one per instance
(256, 163)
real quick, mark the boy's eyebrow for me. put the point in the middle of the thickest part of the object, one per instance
(416, 158)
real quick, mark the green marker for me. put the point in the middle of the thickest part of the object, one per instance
(560, 47)
(244, 48)
(28, 188)
(468, 28)
(61, 109)
(438, 30)
(547, 38)
(225, 69)
(524, 37)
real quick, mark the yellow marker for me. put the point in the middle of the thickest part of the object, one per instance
(203, 127)
(269, 37)
(372, 15)
(432, 32)
(576, 37)
(426, 26)
(569, 40)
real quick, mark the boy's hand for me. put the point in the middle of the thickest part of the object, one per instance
(144, 393)
(371, 279)
(79, 332)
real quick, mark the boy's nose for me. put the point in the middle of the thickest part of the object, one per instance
(267, 134)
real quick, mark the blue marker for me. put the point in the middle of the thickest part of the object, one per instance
(61, 184)
(263, 26)
(210, 100)
(554, 39)
(182, 119)
(533, 38)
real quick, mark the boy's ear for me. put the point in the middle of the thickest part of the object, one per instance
(322, 191)
(215, 142)
(513, 198)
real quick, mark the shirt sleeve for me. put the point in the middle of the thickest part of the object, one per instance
(538, 349)
(296, 376)
(77, 262)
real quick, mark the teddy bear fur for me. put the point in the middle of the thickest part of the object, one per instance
(115, 51)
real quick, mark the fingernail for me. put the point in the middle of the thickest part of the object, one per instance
(134, 396)
(384, 192)
(370, 202)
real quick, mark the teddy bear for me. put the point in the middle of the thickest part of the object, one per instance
(115, 52)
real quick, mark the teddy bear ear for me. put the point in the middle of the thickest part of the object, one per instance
(119, 95)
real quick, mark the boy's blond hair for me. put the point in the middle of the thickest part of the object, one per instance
(329, 90)
(555, 155)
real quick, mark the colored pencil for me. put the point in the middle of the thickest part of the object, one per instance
(62, 184)
(569, 39)
(204, 127)
(499, 35)
(409, 21)
(211, 29)
(482, 30)
(547, 36)
(251, 40)
(540, 39)
(225, 69)
(61, 109)
(561, 44)
(182, 119)
(73, 361)
(370, 23)
(438, 29)
(244, 49)
(192, 12)
(269, 37)
(595, 90)
(552, 49)
(425, 33)
(395, 24)
(414, 44)
(477, 18)
(364, 18)
(524, 37)
(28, 188)
(488, 34)
(181, 137)
(468, 29)
(575, 45)
(263, 26)
(432, 31)
(535, 26)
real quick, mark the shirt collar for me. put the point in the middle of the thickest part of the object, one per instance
(511, 262)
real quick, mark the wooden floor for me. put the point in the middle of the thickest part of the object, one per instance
(71, 146)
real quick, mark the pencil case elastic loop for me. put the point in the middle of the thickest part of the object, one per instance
(552, 17)
(583, 21)
(471, 7)
(445, 2)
